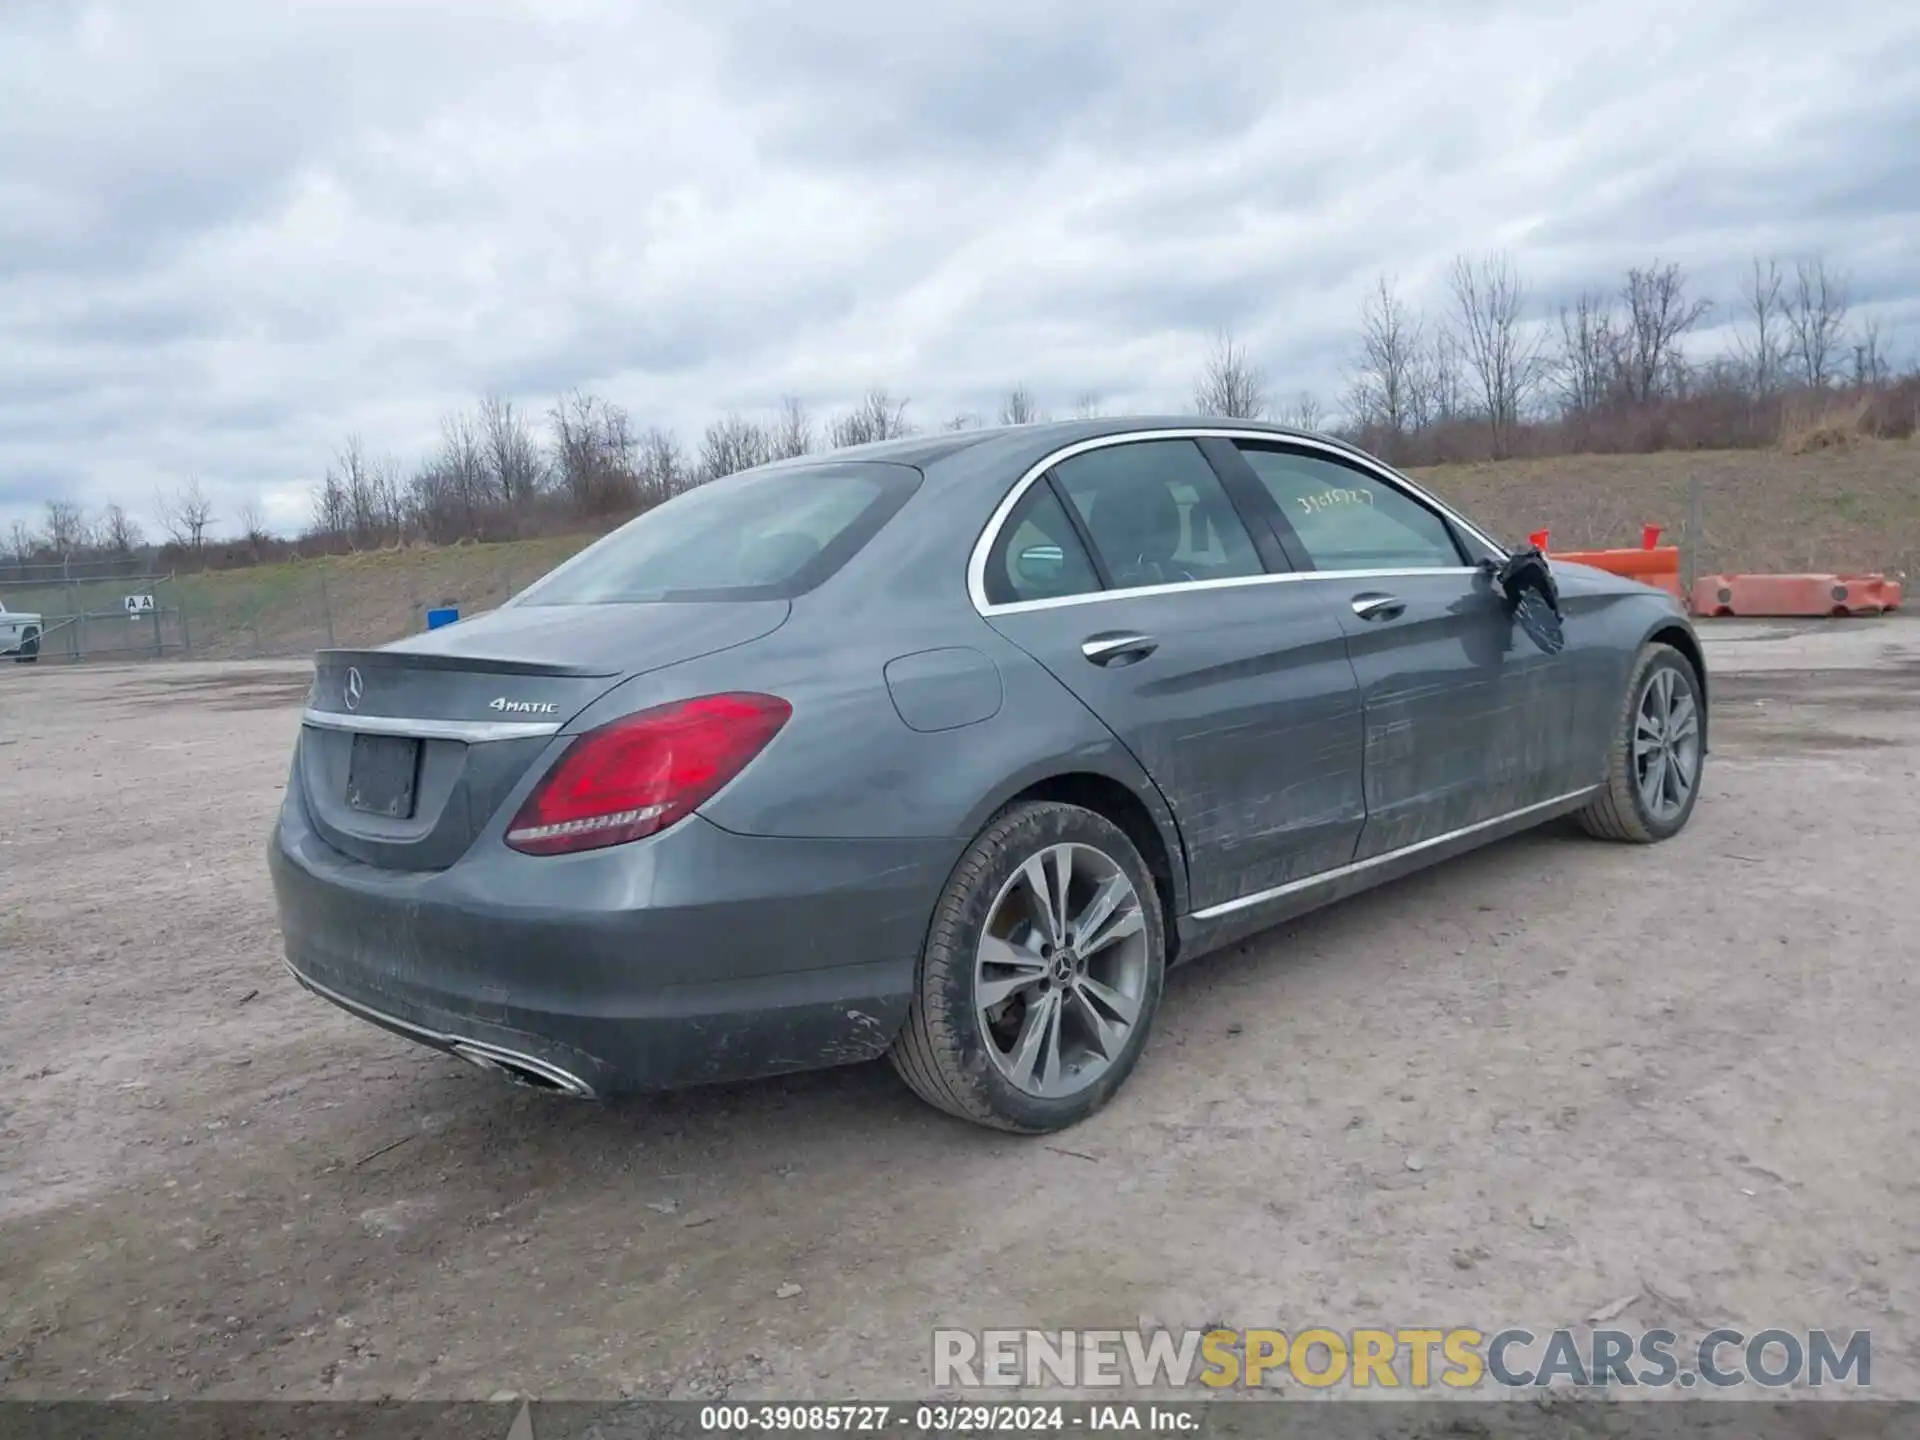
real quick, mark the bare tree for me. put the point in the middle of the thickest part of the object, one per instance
(732, 443)
(333, 515)
(359, 499)
(664, 471)
(1587, 367)
(1504, 359)
(593, 447)
(575, 422)
(253, 524)
(1019, 408)
(352, 474)
(186, 515)
(463, 460)
(1086, 406)
(1871, 368)
(792, 432)
(66, 527)
(1763, 348)
(878, 416)
(1439, 387)
(1659, 317)
(965, 420)
(451, 497)
(1386, 371)
(513, 456)
(1816, 319)
(1230, 385)
(22, 542)
(119, 531)
(1305, 413)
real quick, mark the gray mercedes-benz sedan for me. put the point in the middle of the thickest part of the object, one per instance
(945, 749)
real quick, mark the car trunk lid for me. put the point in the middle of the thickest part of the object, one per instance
(407, 751)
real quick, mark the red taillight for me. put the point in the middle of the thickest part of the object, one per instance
(636, 776)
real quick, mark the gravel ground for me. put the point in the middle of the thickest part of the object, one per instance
(1516, 1090)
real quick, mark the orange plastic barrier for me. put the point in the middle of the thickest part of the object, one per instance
(1783, 595)
(1658, 567)
(1875, 591)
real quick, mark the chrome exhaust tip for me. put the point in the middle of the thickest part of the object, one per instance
(527, 1070)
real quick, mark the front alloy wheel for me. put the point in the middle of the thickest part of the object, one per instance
(1666, 744)
(1657, 756)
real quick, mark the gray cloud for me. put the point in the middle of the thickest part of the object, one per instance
(229, 236)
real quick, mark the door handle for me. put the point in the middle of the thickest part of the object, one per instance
(1118, 645)
(1375, 606)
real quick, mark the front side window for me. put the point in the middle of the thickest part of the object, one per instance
(1349, 520)
(751, 536)
(1157, 514)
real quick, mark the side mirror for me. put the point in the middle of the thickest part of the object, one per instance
(1041, 565)
(1532, 595)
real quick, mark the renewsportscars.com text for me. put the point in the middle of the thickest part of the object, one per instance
(1413, 1358)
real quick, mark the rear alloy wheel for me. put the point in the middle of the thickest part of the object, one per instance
(1654, 767)
(1042, 973)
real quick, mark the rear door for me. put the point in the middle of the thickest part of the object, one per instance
(1130, 572)
(1466, 718)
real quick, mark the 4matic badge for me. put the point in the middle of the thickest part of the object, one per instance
(522, 707)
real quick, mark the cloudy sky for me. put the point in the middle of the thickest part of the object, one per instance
(232, 233)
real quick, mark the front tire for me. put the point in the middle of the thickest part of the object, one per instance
(1042, 973)
(1655, 763)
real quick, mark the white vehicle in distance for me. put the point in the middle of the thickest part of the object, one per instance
(19, 636)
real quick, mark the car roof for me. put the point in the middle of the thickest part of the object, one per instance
(1003, 442)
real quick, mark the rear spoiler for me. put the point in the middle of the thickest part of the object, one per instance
(469, 664)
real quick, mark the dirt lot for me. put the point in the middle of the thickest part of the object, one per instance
(1516, 1090)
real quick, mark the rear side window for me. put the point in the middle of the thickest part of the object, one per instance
(1157, 514)
(758, 535)
(1038, 556)
(1349, 520)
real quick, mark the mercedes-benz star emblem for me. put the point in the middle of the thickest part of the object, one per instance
(355, 687)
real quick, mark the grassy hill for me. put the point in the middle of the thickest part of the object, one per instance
(1856, 508)
(364, 599)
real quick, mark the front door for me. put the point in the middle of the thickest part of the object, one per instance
(1132, 576)
(1466, 717)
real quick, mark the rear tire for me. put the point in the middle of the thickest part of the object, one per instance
(29, 648)
(1067, 1027)
(1662, 723)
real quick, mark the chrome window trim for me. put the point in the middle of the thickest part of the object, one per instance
(983, 547)
(473, 732)
(1293, 577)
(1327, 877)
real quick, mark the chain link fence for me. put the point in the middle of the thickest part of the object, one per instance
(291, 609)
(69, 617)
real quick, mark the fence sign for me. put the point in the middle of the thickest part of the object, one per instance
(138, 605)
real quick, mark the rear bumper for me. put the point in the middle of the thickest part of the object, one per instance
(694, 957)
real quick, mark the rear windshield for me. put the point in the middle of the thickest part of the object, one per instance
(758, 535)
